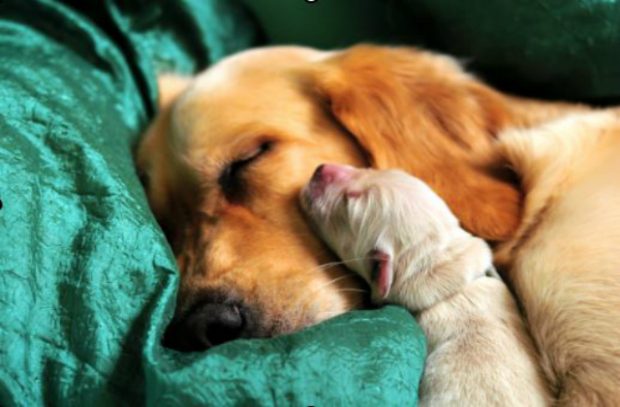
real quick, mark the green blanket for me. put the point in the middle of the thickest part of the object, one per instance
(87, 281)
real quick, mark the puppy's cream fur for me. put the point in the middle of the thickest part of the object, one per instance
(479, 351)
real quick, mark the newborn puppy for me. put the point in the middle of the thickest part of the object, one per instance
(394, 231)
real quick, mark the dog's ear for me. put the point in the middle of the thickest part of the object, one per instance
(420, 112)
(170, 86)
(382, 272)
(153, 155)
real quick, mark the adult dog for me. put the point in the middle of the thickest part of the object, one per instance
(231, 148)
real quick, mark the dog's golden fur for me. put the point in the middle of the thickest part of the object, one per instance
(564, 260)
(282, 111)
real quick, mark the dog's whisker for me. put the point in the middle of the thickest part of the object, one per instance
(329, 314)
(322, 286)
(332, 281)
(325, 266)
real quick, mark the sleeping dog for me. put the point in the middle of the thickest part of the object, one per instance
(394, 231)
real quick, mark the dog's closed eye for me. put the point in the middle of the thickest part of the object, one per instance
(231, 177)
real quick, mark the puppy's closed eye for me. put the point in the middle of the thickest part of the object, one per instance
(231, 179)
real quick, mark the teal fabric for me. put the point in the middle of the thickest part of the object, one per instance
(544, 48)
(87, 280)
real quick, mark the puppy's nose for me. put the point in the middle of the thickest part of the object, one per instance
(327, 173)
(207, 325)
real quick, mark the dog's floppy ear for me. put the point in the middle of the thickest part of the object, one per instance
(170, 86)
(152, 157)
(420, 112)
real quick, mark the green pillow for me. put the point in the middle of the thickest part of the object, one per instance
(334, 23)
(87, 280)
(544, 48)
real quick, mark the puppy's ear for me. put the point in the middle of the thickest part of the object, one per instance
(420, 112)
(382, 272)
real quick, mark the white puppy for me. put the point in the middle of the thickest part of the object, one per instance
(394, 231)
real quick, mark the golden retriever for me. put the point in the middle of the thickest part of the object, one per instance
(396, 233)
(231, 148)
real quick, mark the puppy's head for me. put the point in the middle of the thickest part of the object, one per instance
(376, 221)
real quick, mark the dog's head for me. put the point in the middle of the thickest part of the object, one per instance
(226, 157)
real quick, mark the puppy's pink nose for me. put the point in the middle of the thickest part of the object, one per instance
(326, 174)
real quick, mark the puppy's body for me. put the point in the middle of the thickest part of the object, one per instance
(398, 235)
(479, 352)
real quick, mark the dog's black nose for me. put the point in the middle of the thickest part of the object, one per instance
(213, 324)
(206, 325)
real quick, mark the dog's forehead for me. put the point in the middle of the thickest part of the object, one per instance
(260, 62)
(251, 92)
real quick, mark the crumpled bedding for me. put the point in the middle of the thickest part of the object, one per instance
(87, 280)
